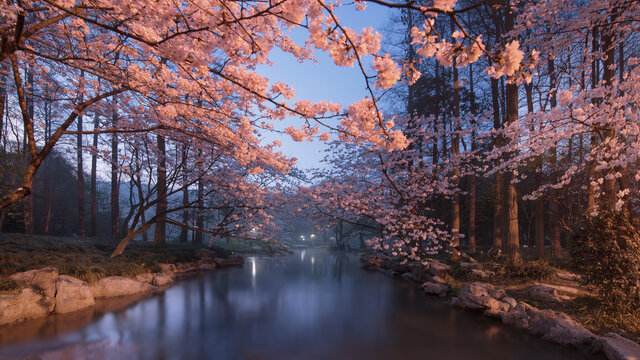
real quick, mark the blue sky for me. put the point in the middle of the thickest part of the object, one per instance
(321, 81)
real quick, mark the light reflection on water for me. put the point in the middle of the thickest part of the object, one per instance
(315, 304)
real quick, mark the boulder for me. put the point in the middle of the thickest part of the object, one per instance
(207, 266)
(438, 279)
(400, 267)
(509, 300)
(419, 273)
(496, 311)
(372, 261)
(407, 276)
(168, 268)
(438, 268)
(234, 260)
(551, 325)
(161, 280)
(468, 265)
(28, 304)
(615, 347)
(72, 294)
(566, 331)
(479, 273)
(119, 286)
(433, 288)
(518, 315)
(146, 278)
(479, 296)
(546, 293)
(565, 275)
(43, 279)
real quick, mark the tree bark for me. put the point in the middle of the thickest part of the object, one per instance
(498, 209)
(184, 233)
(159, 237)
(554, 206)
(80, 173)
(115, 183)
(94, 172)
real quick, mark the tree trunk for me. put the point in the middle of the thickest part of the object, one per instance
(511, 201)
(28, 202)
(455, 151)
(80, 172)
(472, 177)
(554, 206)
(115, 184)
(94, 172)
(608, 76)
(498, 209)
(199, 211)
(159, 238)
(184, 233)
(539, 202)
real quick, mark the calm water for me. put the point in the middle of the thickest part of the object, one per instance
(315, 304)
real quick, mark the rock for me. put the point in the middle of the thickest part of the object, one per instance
(161, 280)
(618, 348)
(565, 275)
(551, 325)
(400, 267)
(467, 265)
(497, 311)
(180, 268)
(567, 331)
(477, 296)
(372, 261)
(43, 279)
(433, 288)
(545, 293)
(406, 276)
(495, 292)
(207, 266)
(146, 278)
(25, 276)
(119, 286)
(28, 304)
(437, 279)
(168, 268)
(482, 274)
(509, 300)
(419, 273)
(72, 294)
(438, 268)
(518, 315)
(234, 260)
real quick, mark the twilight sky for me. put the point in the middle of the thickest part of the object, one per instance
(321, 81)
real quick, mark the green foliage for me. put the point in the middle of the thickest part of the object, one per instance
(606, 250)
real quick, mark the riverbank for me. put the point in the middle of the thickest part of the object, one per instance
(478, 287)
(46, 275)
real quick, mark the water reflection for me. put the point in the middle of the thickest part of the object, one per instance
(315, 304)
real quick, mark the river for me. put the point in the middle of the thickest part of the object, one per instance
(314, 304)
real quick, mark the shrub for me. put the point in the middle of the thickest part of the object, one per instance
(606, 249)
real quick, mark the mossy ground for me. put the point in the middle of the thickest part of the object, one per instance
(87, 259)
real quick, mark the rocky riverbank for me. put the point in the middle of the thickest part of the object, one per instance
(45, 291)
(494, 302)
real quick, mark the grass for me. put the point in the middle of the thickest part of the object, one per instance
(86, 259)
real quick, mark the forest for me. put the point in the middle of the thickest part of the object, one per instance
(503, 131)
